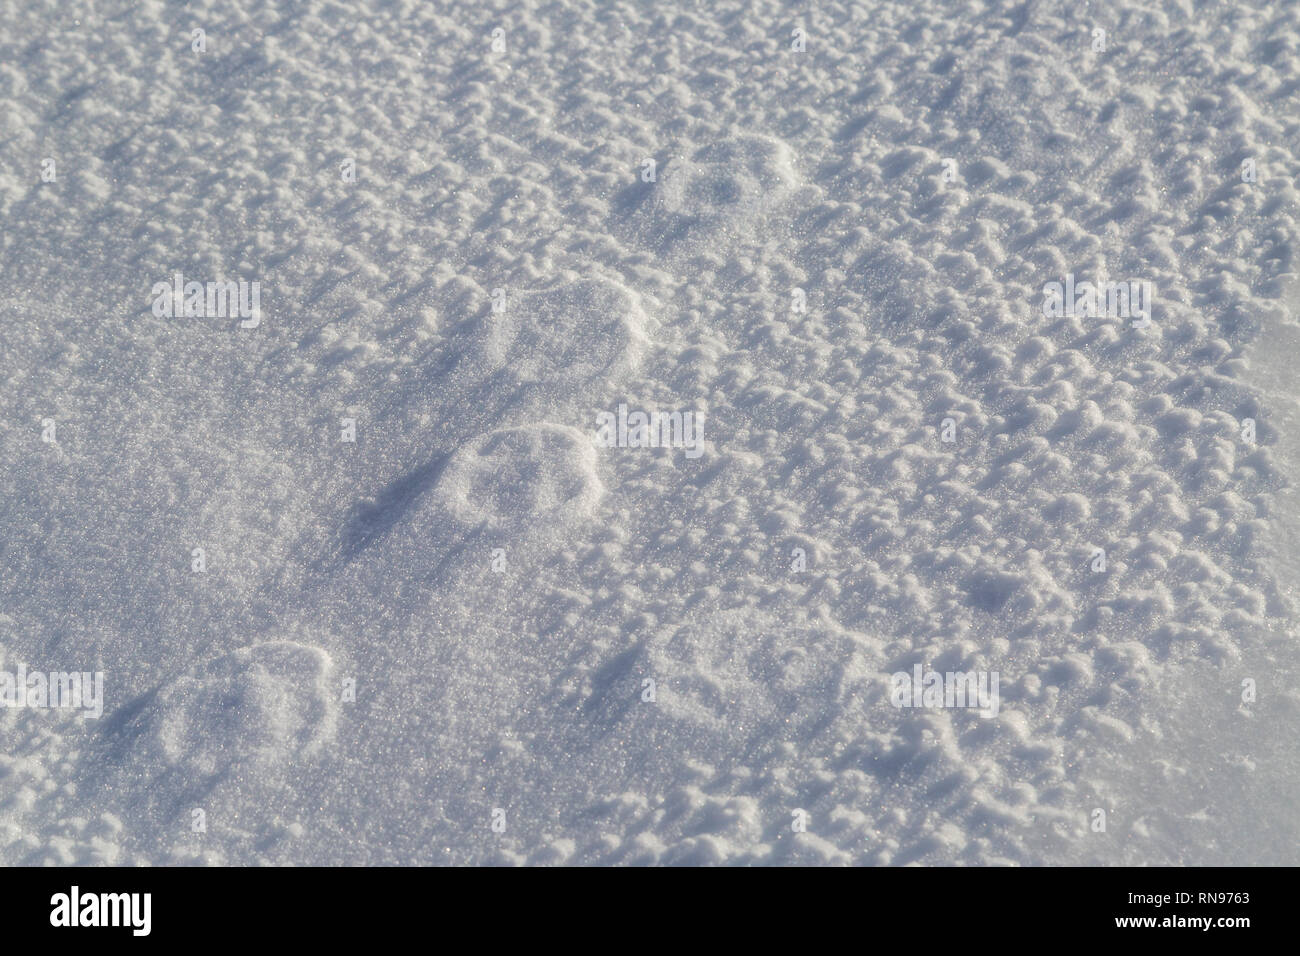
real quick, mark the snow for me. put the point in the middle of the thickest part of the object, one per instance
(475, 634)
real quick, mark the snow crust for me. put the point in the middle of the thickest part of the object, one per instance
(431, 645)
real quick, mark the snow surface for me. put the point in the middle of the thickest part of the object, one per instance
(497, 585)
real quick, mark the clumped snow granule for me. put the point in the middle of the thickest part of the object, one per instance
(365, 586)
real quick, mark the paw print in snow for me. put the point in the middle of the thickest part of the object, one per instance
(721, 191)
(569, 334)
(263, 705)
(514, 477)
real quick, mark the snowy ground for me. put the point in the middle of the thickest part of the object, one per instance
(497, 585)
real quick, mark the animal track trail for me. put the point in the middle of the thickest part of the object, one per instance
(548, 357)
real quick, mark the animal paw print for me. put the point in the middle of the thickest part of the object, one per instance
(739, 669)
(262, 705)
(515, 477)
(730, 179)
(722, 190)
(569, 334)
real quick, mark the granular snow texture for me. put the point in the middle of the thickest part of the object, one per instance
(479, 634)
